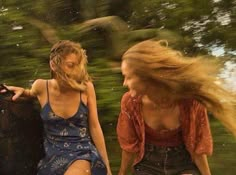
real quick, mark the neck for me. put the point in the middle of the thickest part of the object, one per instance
(158, 102)
(62, 87)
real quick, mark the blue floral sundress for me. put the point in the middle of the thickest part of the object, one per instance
(67, 140)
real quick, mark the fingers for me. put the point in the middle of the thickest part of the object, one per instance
(15, 91)
(10, 88)
(17, 95)
(3, 90)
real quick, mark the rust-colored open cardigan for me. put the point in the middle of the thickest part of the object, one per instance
(194, 124)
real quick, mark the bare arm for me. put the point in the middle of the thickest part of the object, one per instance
(94, 126)
(126, 160)
(20, 91)
(127, 134)
(202, 164)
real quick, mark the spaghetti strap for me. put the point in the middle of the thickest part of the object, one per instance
(81, 101)
(80, 94)
(47, 90)
(60, 152)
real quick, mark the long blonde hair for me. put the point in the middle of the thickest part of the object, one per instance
(58, 53)
(183, 77)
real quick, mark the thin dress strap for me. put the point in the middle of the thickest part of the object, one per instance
(47, 91)
(80, 96)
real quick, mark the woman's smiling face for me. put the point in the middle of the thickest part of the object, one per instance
(135, 85)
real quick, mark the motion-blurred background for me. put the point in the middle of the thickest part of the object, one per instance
(106, 28)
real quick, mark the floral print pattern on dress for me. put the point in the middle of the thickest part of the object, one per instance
(58, 163)
(67, 140)
(82, 132)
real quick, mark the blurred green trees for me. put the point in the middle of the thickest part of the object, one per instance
(106, 28)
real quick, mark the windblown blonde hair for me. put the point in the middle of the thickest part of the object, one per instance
(183, 77)
(59, 51)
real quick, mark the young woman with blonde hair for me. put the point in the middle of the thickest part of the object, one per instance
(163, 125)
(73, 139)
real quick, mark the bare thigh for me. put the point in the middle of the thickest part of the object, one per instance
(190, 172)
(81, 167)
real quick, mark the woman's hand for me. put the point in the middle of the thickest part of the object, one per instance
(202, 163)
(18, 91)
(109, 172)
(121, 173)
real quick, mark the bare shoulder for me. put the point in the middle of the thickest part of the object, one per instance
(90, 91)
(38, 86)
(90, 87)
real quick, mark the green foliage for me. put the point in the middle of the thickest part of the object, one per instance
(108, 85)
(188, 25)
(202, 20)
(23, 57)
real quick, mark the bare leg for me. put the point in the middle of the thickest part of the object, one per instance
(190, 172)
(81, 167)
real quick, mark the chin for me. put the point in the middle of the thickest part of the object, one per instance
(132, 93)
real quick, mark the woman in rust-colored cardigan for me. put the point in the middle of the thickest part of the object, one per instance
(163, 125)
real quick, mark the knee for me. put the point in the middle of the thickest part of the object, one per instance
(80, 167)
(76, 171)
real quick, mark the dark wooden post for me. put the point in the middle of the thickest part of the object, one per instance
(21, 137)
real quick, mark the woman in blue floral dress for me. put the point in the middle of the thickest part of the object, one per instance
(73, 140)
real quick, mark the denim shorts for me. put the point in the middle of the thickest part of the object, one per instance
(166, 161)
